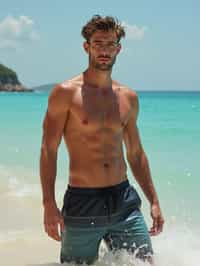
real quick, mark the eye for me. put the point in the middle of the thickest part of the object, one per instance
(98, 45)
(112, 44)
(109, 45)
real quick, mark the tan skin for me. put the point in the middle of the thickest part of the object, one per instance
(94, 114)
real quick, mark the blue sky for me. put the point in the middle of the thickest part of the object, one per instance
(41, 41)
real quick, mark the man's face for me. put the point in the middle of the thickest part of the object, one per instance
(102, 49)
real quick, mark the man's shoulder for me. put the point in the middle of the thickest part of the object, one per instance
(62, 94)
(132, 97)
(68, 86)
(127, 91)
(65, 89)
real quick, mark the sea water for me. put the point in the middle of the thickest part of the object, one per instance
(169, 126)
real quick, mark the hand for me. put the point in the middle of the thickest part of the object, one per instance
(52, 221)
(158, 220)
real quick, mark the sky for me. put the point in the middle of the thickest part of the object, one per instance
(41, 41)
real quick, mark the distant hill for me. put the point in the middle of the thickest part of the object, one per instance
(7, 72)
(46, 87)
(9, 81)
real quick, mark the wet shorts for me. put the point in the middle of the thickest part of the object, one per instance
(111, 214)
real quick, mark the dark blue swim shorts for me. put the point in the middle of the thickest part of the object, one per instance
(111, 214)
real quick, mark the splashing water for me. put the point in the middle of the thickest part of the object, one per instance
(21, 231)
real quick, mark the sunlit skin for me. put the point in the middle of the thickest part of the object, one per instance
(95, 115)
(102, 50)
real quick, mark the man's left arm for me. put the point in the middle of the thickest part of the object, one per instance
(139, 165)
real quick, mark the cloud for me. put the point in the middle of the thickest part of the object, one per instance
(14, 31)
(134, 32)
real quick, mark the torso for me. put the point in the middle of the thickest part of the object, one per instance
(94, 135)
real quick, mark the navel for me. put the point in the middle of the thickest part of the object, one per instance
(123, 124)
(106, 165)
(85, 121)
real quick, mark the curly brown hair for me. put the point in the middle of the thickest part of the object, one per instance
(107, 23)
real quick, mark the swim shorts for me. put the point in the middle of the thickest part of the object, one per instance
(111, 214)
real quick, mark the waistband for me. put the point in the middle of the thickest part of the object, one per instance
(99, 190)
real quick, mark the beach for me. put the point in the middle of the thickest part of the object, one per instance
(169, 128)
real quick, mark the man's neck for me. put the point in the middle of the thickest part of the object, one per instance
(97, 78)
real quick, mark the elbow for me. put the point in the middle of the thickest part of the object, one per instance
(129, 157)
(136, 157)
(48, 151)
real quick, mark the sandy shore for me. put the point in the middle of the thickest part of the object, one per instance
(29, 250)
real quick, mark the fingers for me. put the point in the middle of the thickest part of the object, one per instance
(160, 225)
(157, 227)
(158, 220)
(52, 232)
(62, 224)
(52, 229)
(153, 229)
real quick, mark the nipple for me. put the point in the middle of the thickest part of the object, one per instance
(85, 121)
(106, 165)
(105, 92)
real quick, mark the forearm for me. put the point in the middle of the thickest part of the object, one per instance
(140, 168)
(48, 161)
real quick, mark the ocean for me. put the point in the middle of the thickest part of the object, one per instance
(169, 126)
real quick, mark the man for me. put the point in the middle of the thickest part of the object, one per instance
(95, 114)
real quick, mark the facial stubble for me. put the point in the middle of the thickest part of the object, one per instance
(101, 66)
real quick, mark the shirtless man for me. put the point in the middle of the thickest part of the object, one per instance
(95, 114)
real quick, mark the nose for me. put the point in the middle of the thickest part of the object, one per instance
(104, 53)
(104, 48)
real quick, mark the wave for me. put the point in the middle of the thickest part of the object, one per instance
(21, 229)
(174, 247)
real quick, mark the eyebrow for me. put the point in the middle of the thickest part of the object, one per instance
(99, 41)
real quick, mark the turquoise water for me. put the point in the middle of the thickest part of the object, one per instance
(169, 125)
(170, 129)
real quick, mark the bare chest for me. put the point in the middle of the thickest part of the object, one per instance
(102, 109)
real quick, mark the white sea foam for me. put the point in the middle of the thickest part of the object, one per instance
(23, 241)
(17, 182)
(174, 247)
(22, 182)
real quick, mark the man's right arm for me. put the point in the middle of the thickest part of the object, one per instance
(54, 122)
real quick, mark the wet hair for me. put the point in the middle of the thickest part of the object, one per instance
(107, 23)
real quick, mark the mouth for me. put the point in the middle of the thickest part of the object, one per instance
(104, 59)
